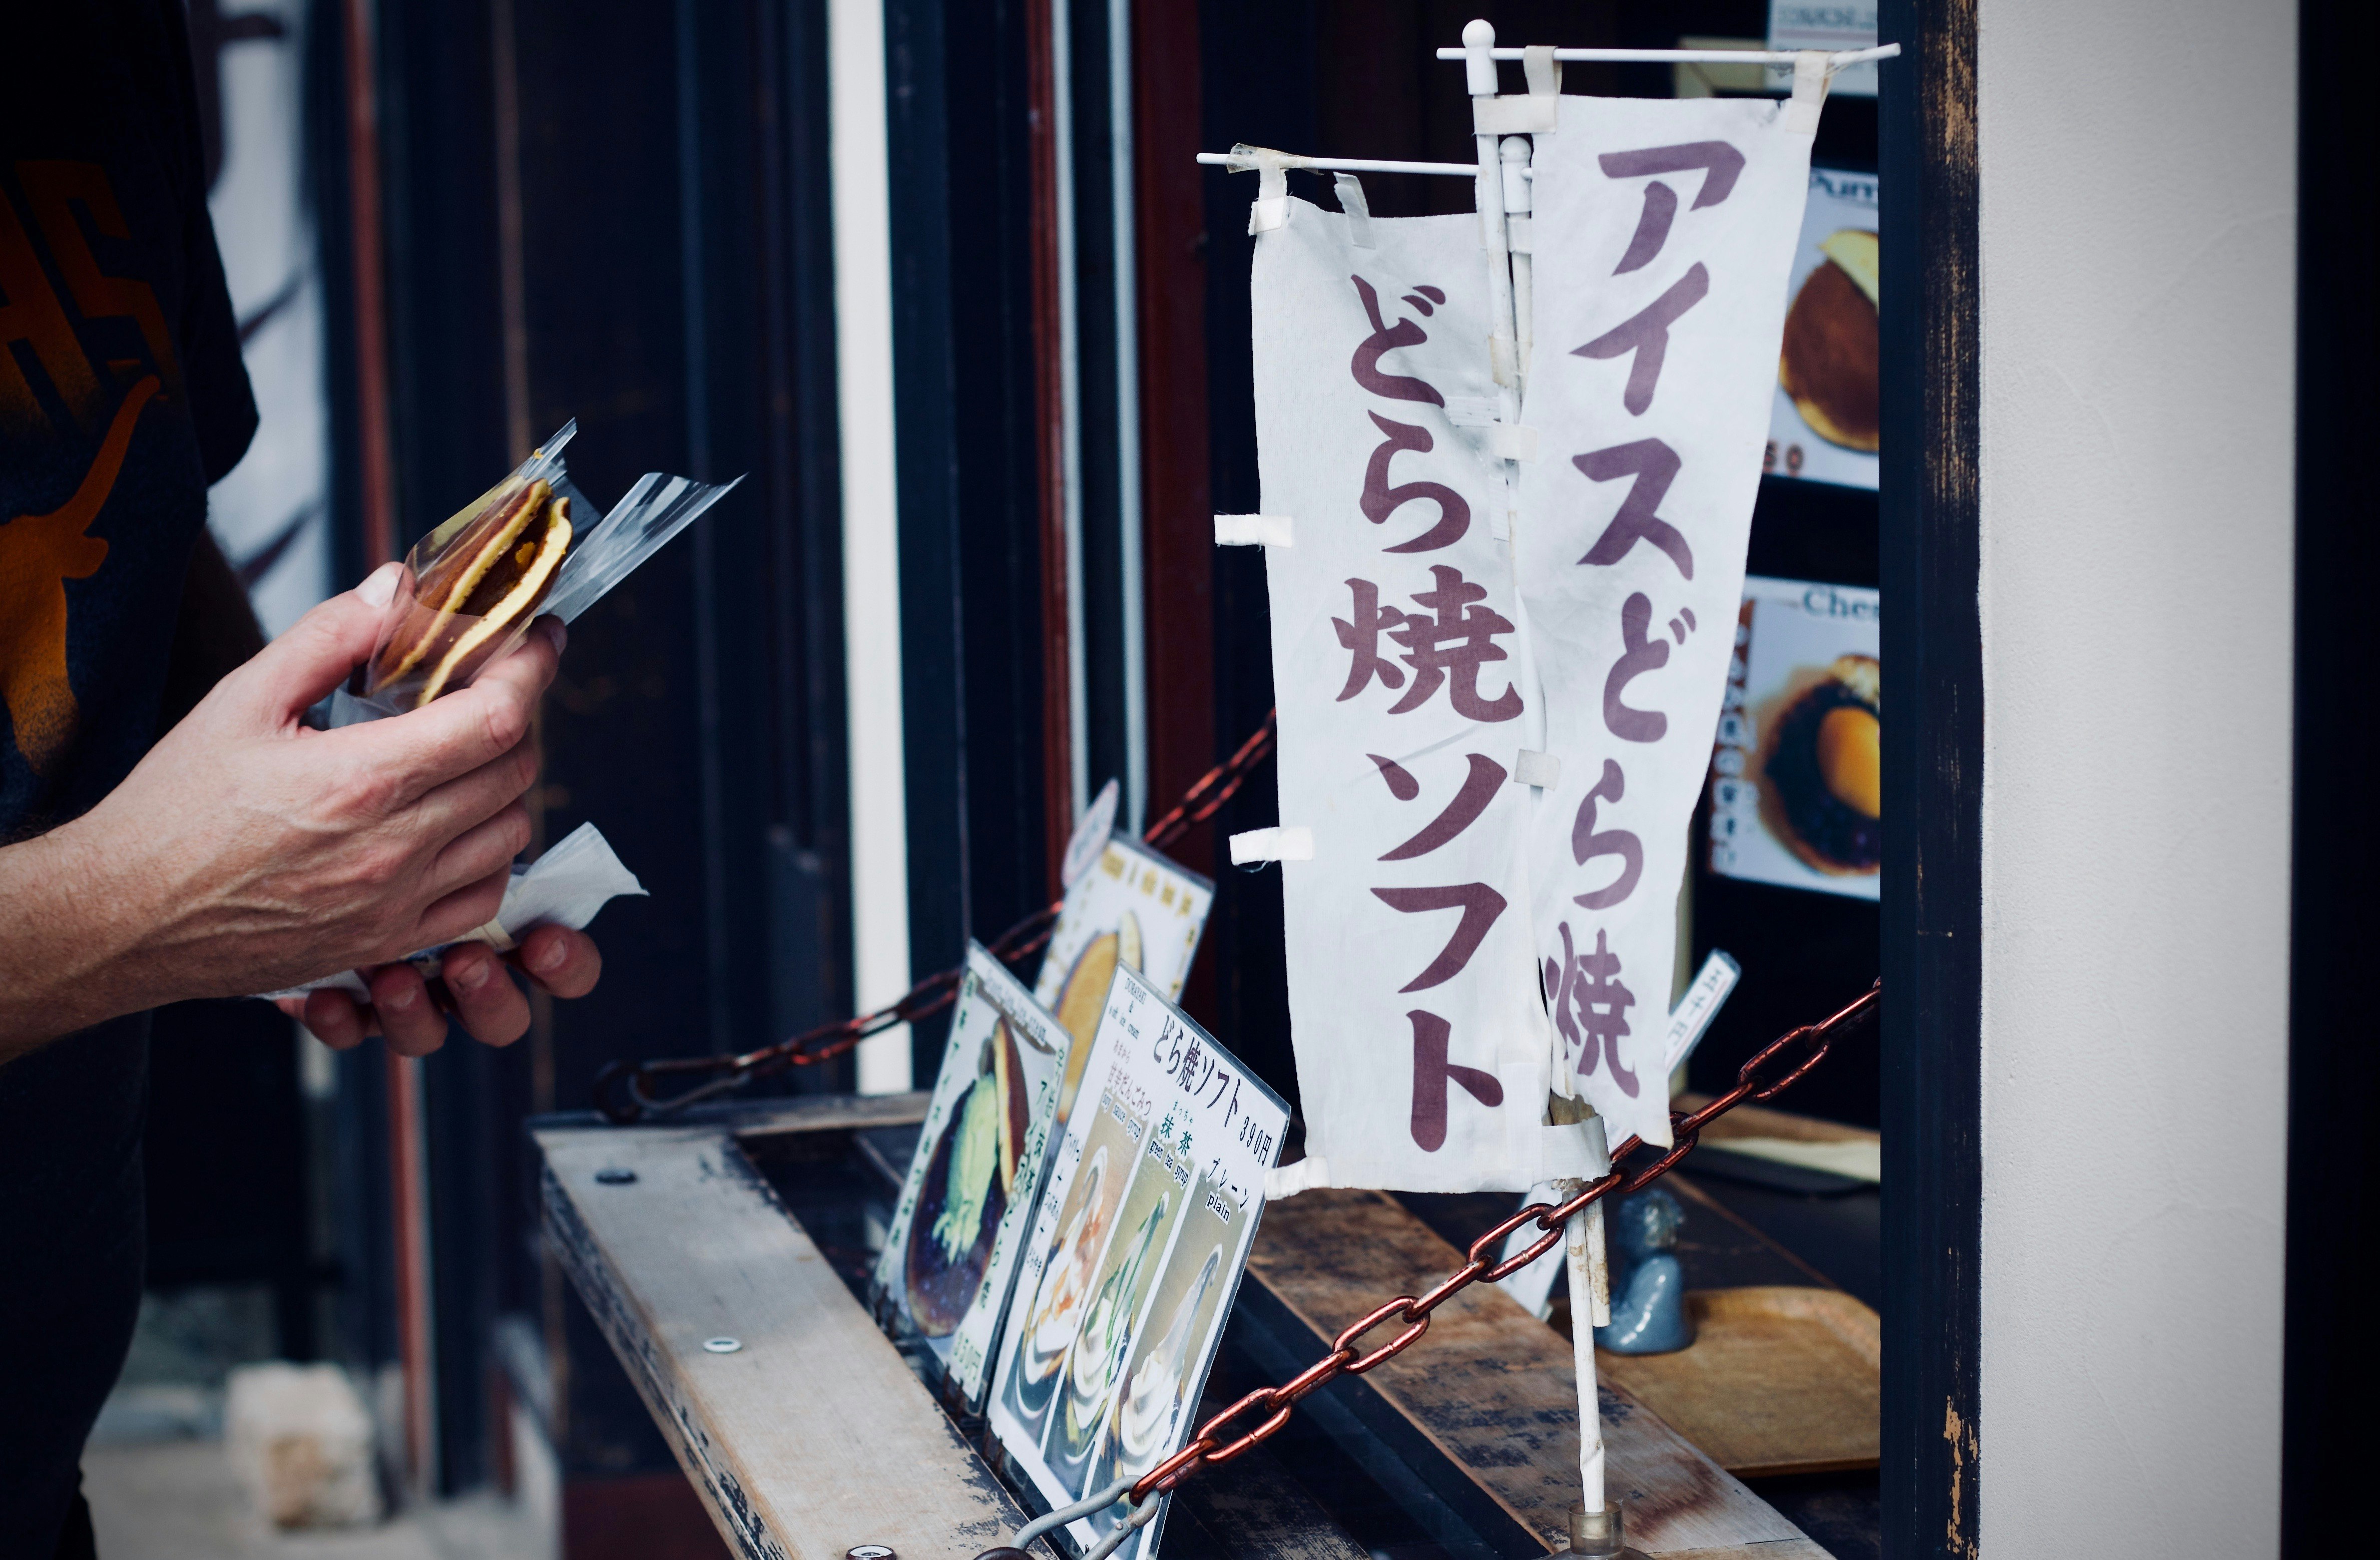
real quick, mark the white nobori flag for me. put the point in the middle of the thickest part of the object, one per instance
(1496, 704)
(1397, 665)
(1664, 234)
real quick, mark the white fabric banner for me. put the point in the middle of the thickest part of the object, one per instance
(1421, 1042)
(1496, 703)
(1664, 234)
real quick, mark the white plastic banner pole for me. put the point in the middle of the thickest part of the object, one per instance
(1835, 61)
(1517, 205)
(1479, 71)
(1581, 1349)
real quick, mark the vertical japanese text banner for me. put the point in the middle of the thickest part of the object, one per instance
(1664, 233)
(1421, 1042)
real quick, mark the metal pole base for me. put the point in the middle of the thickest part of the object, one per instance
(1600, 1534)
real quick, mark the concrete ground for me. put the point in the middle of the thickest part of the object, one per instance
(177, 1500)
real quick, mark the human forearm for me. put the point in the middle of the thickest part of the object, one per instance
(247, 853)
(70, 941)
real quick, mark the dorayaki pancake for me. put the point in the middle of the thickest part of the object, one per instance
(490, 578)
(1829, 362)
(458, 562)
(506, 595)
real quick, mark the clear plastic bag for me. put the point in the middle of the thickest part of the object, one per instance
(532, 545)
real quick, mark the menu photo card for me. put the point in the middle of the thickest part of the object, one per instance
(983, 1156)
(1823, 425)
(1796, 773)
(1133, 910)
(1132, 1262)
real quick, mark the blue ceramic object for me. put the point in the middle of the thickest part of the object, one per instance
(1648, 1288)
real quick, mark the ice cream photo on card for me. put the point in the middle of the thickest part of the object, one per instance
(973, 1183)
(1156, 1188)
(1134, 910)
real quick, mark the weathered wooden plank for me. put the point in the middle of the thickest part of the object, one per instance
(1760, 1121)
(1778, 1381)
(814, 1437)
(1492, 1392)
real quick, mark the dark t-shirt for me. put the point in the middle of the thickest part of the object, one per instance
(122, 399)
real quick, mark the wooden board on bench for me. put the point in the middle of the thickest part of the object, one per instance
(1484, 1412)
(1778, 1380)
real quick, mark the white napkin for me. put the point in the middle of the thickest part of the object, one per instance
(566, 886)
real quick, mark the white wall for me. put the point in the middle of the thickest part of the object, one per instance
(2138, 200)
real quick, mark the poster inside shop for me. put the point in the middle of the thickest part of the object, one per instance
(1133, 910)
(1796, 775)
(1129, 1275)
(981, 1157)
(1824, 426)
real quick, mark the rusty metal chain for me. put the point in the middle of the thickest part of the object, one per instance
(1773, 1068)
(620, 1090)
(621, 1095)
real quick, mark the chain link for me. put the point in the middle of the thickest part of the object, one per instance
(622, 1096)
(622, 1092)
(1773, 1068)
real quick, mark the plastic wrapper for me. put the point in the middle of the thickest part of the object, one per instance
(532, 545)
(566, 886)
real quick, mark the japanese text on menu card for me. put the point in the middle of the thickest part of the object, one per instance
(1127, 1279)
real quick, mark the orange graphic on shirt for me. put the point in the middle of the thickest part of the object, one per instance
(63, 197)
(38, 555)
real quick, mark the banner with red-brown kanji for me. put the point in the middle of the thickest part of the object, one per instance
(1664, 234)
(1421, 1039)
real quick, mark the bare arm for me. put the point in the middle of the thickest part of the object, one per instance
(247, 852)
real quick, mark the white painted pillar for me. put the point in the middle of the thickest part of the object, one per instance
(2138, 249)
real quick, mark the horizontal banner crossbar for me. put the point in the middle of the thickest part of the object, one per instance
(1687, 56)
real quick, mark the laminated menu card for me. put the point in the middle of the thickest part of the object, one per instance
(1797, 784)
(1132, 1261)
(1824, 426)
(981, 1158)
(1133, 909)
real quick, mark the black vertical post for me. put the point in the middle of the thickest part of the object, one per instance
(2334, 1071)
(1932, 910)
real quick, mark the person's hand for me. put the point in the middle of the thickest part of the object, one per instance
(247, 852)
(486, 1001)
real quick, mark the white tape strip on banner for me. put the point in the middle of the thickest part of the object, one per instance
(1271, 207)
(1358, 210)
(1514, 113)
(1253, 530)
(1520, 234)
(1501, 360)
(1471, 411)
(1535, 769)
(1294, 843)
(1542, 71)
(1288, 1180)
(1508, 443)
(1812, 70)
